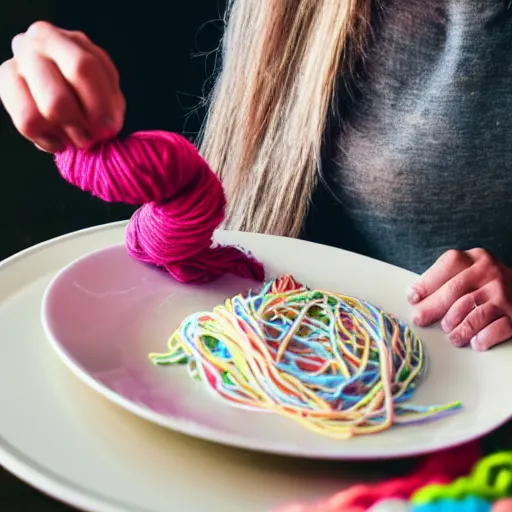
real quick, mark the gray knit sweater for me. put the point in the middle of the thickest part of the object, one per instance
(423, 160)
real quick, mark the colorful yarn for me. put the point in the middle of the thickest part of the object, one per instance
(336, 364)
(437, 485)
(491, 479)
(504, 505)
(441, 467)
(468, 504)
(183, 203)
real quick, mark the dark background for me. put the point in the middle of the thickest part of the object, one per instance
(152, 44)
(159, 48)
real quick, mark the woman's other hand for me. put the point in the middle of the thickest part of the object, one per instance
(471, 294)
(60, 88)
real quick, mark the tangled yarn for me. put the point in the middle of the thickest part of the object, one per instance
(336, 364)
(488, 488)
(453, 480)
(438, 468)
(182, 202)
(490, 480)
(469, 504)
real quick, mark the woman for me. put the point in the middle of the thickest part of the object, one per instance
(380, 127)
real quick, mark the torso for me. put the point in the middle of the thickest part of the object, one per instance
(424, 160)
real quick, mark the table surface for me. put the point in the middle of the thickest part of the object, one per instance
(17, 496)
(49, 207)
(62, 209)
(75, 214)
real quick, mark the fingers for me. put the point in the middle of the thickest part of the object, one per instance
(495, 333)
(61, 87)
(24, 112)
(445, 268)
(471, 292)
(474, 312)
(54, 98)
(454, 275)
(459, 311)
(435, 306)
(477, 320)
(88, 77)
(81, 39)
(118, 101)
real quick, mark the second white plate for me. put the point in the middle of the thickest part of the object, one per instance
(105, 312)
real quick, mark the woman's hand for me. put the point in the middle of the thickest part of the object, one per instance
(471, 293)
(60, 88)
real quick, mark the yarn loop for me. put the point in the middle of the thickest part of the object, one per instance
(182, 200)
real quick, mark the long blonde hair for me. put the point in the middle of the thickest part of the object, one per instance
(264, 130)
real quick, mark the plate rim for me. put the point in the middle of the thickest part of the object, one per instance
(19, 463)
(220, 437)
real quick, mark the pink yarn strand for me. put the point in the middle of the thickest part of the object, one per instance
(182, 200)
(438, 468)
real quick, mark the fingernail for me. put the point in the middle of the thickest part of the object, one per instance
(444, 326)
(475, 344)
(413, 296)
(455, 338)
(417, 319)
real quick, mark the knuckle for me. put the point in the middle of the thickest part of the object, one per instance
(500, 294)
(484, 256)
(452, 319)
(460, 310)
(453, 257)
(478, 252)
(16, 42)
(490, 270)
(82, 67)
(81, 36)
(487, 267)
(54, 108)
(454, 288)
(476, 320)
(7, 67)
(495, 273)
(27, 122)
(40, 29)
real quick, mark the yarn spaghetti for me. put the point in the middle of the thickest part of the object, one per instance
(336, 364)
(456, 479)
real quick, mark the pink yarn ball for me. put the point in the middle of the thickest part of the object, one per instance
(182, 202)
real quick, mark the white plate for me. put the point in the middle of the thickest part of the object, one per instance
(105, 312)
(68, 441)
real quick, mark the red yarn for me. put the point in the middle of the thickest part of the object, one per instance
(437, 468)
(183, 203)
